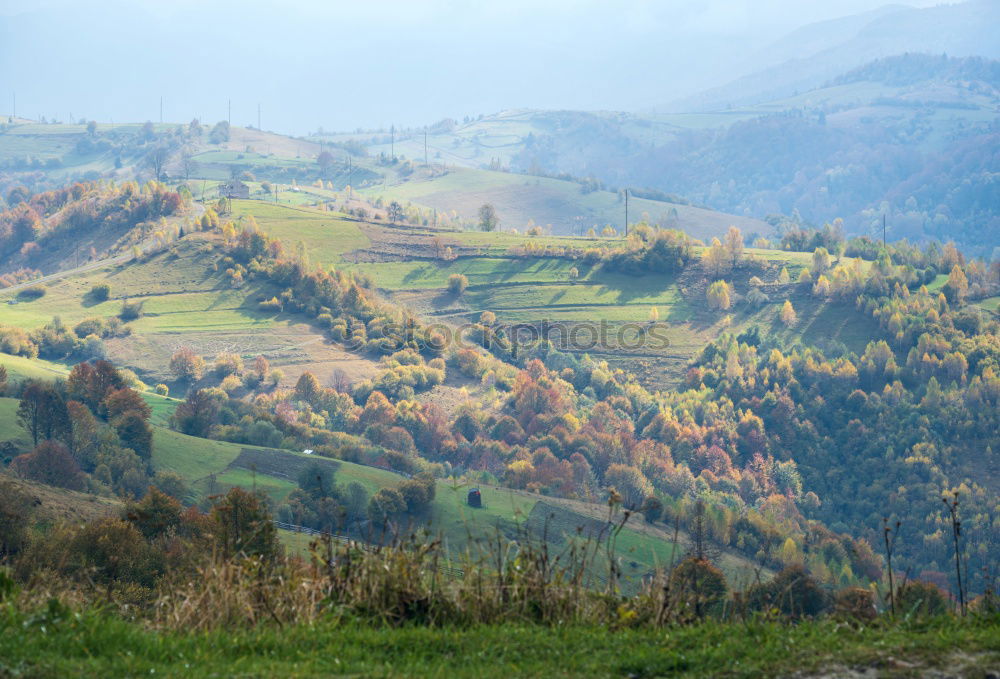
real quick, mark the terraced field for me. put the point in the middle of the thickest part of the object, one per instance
(186, 303)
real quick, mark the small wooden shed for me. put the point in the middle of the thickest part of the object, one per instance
(475, 498)
(234, 188)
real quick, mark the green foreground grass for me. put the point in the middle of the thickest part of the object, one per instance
(55, 642)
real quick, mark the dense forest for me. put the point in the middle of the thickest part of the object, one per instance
(909, 156)
(785, 449)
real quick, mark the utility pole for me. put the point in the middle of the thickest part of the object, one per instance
(626, 213)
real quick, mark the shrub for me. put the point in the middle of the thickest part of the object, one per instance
(855, 603)
(89, 326)
(93, 347)
(17, 342)
(130, 311)
(921, 599)
(162, 389)
(231, 384)
(756, 298)
(793, 592)
(101, 292)
(457, 283)
(700, 585)
(272, 305)
(228, 364)
(31, 293)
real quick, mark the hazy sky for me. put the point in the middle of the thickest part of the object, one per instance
(342, 65)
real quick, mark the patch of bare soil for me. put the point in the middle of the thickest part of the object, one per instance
(984, 665)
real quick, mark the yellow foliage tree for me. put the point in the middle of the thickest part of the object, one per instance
(788, 315)
(719, 295)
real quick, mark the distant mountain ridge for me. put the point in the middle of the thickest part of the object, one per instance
(966, 29)
(911, 69)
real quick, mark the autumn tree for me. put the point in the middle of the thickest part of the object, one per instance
(957, 286)
(219, 133)
(15, 505)
(196, 415)
(187, 365)
(822, 287)
(630, 482)
(227, 363)
(156, 159)
(488, 220)
(325, 160)
(698, 585)
(90, 383)
(820, 261)
(395, 211)
(719, 295)
(50, 463)
(42, 412)
(243, 526)
(386, 504)
(134, 432)
(734, 245)
(307, 387)
(120, 401)
(457, 283)
(156, 515)
(715, 259)
(83, 439)
(261, 367)
(113, 551)
(788, 315)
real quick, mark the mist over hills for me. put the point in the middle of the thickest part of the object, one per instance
(814, 54)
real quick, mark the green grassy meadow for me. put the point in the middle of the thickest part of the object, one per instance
(551, 202)
(54, 642)
(207, 468)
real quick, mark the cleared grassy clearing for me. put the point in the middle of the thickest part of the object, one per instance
(324, 236)
(206, 466)
(21, 368)
(562, 204)
(990, 304)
